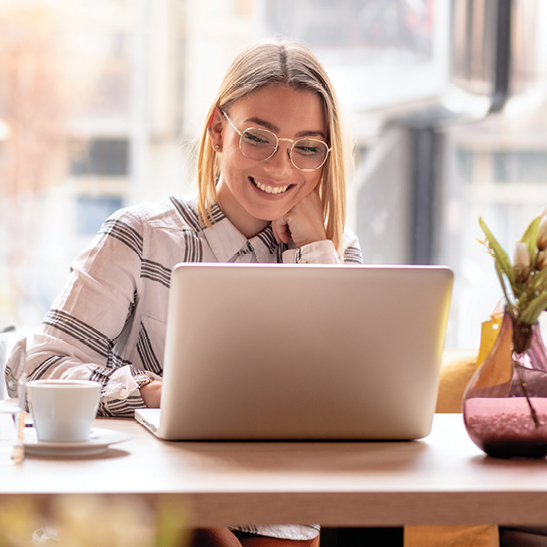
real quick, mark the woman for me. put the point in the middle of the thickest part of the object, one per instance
(271, 188)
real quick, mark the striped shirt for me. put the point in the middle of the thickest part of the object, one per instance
(109, 321)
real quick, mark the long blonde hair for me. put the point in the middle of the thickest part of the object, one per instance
(291, 64)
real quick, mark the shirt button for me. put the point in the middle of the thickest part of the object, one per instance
(302, 261)
(124, 393)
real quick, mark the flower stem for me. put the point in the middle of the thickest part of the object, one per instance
(519, 367)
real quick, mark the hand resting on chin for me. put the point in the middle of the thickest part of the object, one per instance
(303, 223)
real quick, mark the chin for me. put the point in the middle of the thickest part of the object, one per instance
(269, 217)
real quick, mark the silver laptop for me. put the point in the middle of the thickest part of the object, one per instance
(301, 352)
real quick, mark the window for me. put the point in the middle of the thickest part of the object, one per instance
(114, 97)
(101, 157)
(520, 167)
(91, 212)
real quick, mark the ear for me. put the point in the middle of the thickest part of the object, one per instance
(214, 128)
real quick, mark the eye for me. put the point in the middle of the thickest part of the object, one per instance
(257, 137)
(309, 147)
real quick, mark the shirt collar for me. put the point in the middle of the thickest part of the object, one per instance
(225, 240)
(266, 247)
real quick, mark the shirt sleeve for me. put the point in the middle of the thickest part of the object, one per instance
(324, 252)
(78, 334)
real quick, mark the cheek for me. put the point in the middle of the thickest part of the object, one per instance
(232, 159)
(312, 181)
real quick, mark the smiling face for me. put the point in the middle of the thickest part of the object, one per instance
(252, 193)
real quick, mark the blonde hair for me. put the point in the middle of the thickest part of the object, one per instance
(286, 63)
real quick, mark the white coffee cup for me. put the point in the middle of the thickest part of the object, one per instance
(63, 410)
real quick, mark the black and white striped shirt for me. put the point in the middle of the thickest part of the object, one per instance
(108, 323)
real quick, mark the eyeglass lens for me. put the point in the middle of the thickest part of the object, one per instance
(259, 144)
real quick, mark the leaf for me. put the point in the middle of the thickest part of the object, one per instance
(500, 255)
(540, 280)
(502, 281)
(530, 237)
(533, 309)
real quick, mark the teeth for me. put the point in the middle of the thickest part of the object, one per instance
(269, 189)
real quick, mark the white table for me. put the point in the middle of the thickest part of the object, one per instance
(442, 479)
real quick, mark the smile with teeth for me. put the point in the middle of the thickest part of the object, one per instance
(269, 189)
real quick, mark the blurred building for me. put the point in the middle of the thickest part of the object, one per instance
(101, 103)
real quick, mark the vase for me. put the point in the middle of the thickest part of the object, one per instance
(505, 403)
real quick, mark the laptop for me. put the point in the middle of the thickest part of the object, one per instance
(301, 352)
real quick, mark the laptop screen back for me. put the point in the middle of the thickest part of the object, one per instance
(303, 351)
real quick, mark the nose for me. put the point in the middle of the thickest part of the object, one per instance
(280, 163)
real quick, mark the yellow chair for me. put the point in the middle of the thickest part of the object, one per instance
(458, 365)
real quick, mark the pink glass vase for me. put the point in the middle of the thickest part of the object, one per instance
(505, 404)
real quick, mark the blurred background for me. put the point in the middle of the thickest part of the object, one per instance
(101, 102)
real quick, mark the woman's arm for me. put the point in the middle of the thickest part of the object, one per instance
(78, 335)
(151, 394)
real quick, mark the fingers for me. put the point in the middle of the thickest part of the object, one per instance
(303, 223)
(281, 230)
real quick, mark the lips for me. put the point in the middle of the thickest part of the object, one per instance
(269, 189)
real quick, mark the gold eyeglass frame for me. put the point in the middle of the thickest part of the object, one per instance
(289, 151)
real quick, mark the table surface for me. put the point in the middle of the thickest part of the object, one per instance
(442, 479)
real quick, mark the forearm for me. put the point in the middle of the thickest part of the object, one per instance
(151, 394)
(54, 354)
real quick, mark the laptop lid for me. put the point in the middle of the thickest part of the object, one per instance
(265, 352)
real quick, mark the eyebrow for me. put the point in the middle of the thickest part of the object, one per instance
(274, 129)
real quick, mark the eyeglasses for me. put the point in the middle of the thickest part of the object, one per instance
(260, 145)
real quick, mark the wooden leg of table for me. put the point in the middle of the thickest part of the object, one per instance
(362, 537)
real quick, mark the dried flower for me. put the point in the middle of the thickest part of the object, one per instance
(521, 261)
(541, 260)
(524, 284)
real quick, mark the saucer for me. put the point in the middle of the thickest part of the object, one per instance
(98, 443)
